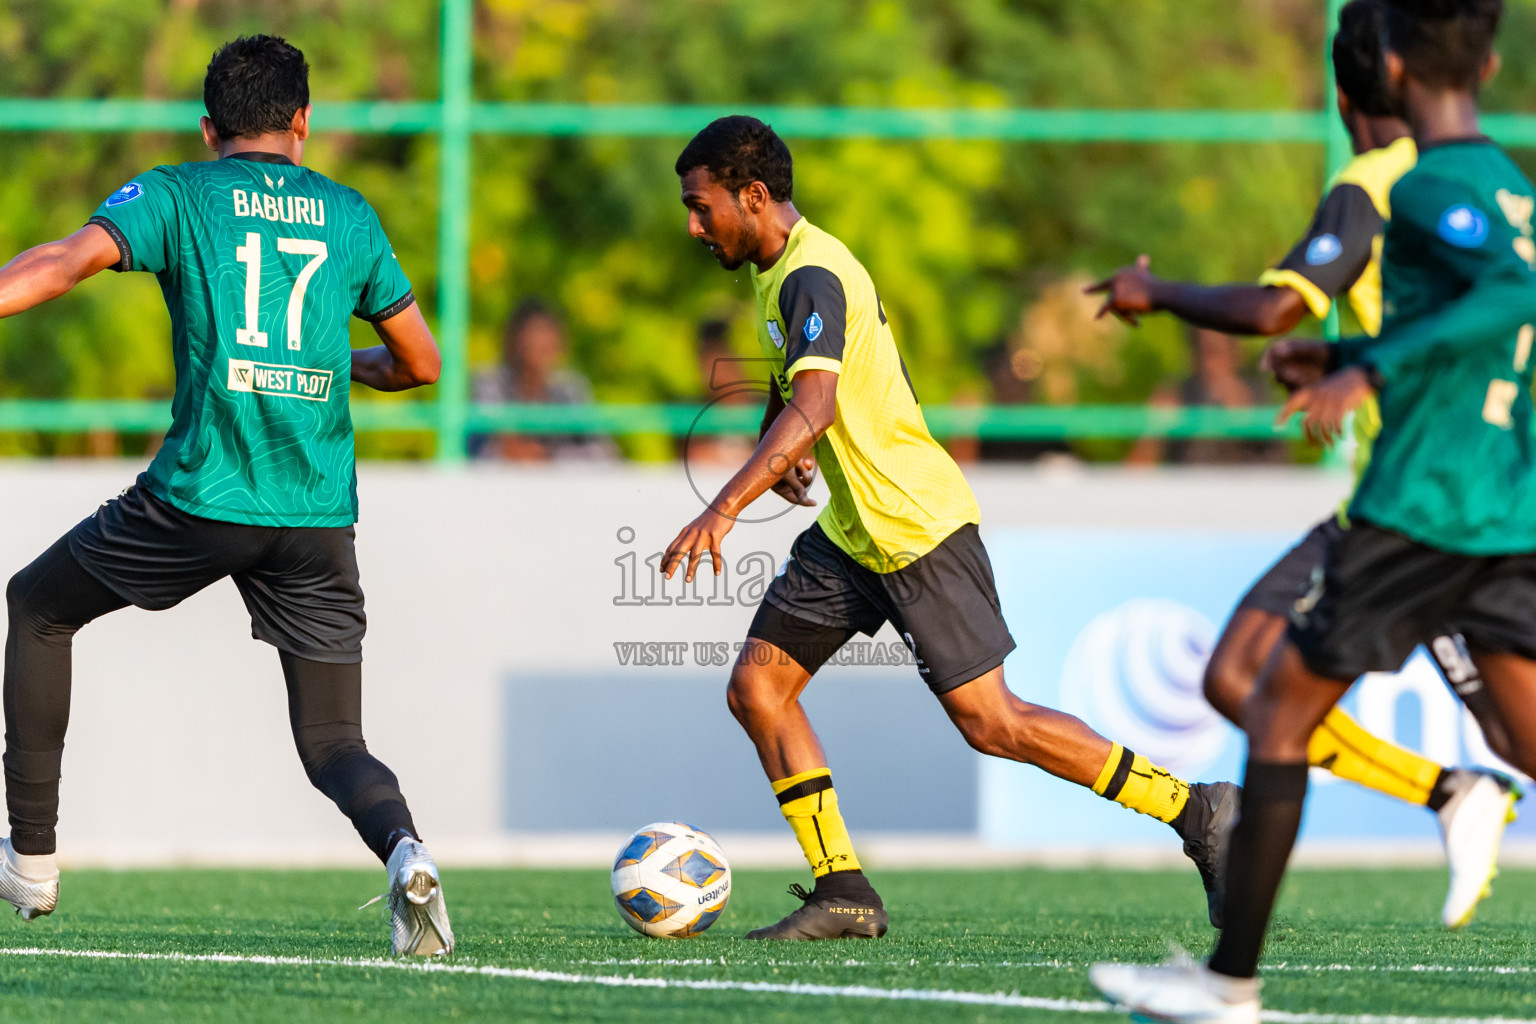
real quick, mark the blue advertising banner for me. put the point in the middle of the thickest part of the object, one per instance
(1115, 626)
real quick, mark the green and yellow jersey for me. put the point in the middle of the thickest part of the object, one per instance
(896, 493)
(262, 264)
(1455, 463)
(1341, 255)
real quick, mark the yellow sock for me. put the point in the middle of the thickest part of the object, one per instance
(1342, 747)
(809, 804)
(1130, 780)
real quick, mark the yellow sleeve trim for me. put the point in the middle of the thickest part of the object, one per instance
(1378, 170)
(781, 785)
(1316, 299)
(813, 363)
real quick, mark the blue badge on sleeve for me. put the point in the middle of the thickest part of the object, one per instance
(1465, 226)
(1324, 249)
(813, 327)
(127, 194)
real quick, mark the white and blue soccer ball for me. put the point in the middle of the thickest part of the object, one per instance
(671, 880)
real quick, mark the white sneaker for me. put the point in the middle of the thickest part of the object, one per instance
(1473, 823)
(1180, 991)
(30, 884)
(420, 917)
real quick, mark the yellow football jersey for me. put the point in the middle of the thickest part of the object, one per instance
(896, 493)
(1341, 253)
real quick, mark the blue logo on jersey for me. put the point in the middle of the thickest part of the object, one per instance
(813, 327)
(1324, 249)
(1465, 226)
(127, 194)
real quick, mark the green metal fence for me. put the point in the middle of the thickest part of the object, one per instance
(456, 118)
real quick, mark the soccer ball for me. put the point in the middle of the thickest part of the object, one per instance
(671, 880)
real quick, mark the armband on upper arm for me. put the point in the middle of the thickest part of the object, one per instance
(395, 308)
(124, 250)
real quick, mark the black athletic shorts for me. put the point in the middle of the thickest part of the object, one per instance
(943, 604)
(300, 584)
(1288, 579)
(1378, 595)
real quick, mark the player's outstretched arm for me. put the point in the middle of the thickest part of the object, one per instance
(780, 454)
(1230, 308)
(408, 358)
(50, 270)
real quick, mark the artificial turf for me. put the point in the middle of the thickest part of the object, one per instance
(1347, 943)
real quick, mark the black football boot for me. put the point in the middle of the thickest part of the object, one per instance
(1206, 825)
(842, 906)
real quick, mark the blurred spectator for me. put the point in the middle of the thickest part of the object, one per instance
(1058, 351)
(1013, 371)
(1217, 379)
(727, 377)
(533, 369)
(728, 380)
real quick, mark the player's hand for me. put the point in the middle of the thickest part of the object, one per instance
(700, 537)
(795, 485)
(1127, 292)
(1296, 363)
(1326, 403)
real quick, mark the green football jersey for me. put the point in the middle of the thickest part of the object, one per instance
(1455, 464)
(262, 263)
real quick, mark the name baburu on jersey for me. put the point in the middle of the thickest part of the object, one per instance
(279, 209)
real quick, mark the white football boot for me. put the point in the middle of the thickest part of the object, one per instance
(1180, 991)
(1473, 823)
(30, 884)
(420, 917)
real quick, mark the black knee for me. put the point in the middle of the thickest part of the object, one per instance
(29, 610)
(1239, 659)
(18, 594)
(1019, 736)
(751, 694)
(738, 701)
(1227, 683)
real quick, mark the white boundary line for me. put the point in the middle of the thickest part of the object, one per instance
(1012, 1000)
(1047, 964)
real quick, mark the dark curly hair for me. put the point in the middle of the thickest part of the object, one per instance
(1444, 43)
(1357, 57)
(254, 87)
(739, 150)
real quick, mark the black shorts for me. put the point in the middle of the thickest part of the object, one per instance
(1288, 579)
(300, 584)
(943, 604)
(1380, 594)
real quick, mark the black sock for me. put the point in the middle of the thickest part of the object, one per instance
(1273, 795)
(32, 792)
(1440, 793)
(1194, 817)
(845, 885)
(383, 825)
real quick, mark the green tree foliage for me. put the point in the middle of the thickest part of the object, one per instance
(961, 237)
